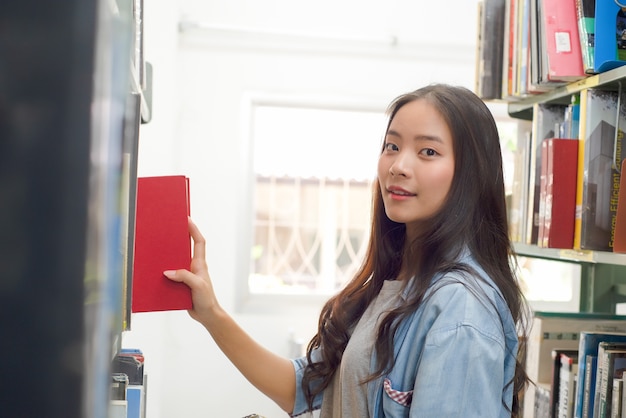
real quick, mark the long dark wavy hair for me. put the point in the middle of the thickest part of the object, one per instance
(473, 217)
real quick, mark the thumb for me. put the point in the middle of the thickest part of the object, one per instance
(173, 275)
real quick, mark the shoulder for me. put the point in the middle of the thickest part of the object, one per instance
(466, 300)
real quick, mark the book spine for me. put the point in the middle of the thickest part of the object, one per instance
(561, 193)
(616, 402)
(545, 196)
(589, 385)
(582, 134)
(585, 12)
(619, 245)
(618, 157)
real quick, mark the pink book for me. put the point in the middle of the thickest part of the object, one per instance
(559, 19)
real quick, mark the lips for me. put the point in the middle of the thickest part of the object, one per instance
(399, 191)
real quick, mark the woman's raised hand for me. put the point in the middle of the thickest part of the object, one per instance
(197, 278)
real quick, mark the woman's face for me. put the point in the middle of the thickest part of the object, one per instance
(416, 166)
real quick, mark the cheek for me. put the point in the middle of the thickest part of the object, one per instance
(443, 180)
(382, 168)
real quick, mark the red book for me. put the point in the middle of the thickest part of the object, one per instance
(560, 204)
(619, 240)
(560, 21)
(162, 242)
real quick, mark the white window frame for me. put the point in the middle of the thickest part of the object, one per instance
(246, 301)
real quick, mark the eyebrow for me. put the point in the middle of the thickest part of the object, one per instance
(417, 137)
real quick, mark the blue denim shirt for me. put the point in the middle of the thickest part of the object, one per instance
(456, 353)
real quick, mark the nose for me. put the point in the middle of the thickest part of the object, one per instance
(400, 166)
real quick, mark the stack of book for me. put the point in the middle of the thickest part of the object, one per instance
(569, 173)
(577, 361)
(527, 47)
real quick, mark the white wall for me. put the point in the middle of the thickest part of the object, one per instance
(327, 51)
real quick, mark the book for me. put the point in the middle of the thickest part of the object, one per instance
(543, 194)
(588, 346)
(162, 242)
(619, 243)
(562, 41)
(589, 384)
(623, 395)
(598, 179)
(560, 330)
(541, 403)
(555, 390)
(585, 14)
(490, 49)
(517, 210)
(611, 363)
(610, 36)
(523, 87)
(560, 193)
(546, 121)
(567, 384)
(616, 402)
(508, 49)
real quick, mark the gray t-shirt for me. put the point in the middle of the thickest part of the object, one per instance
(346, 395)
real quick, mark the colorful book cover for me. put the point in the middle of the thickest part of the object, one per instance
(610, 36)
(585, 13)
(560, 194)
(162, 242)
(562, 41)
(600, 153)
(546, 121)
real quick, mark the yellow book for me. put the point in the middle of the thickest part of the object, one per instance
(582, 134)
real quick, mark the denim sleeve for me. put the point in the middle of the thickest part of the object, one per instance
(462, 371)
(300, 406)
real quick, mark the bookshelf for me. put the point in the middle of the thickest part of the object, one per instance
(69, 126)
(603, 274)
(610, 80)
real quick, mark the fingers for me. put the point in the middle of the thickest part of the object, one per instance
(183, 276)
(199, 244)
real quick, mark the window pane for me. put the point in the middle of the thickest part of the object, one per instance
(314, 169)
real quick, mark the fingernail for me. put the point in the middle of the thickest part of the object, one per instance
(169, 273)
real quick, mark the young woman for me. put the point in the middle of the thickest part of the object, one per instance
(429, 325)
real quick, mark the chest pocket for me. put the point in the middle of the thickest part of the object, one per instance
(396, 403)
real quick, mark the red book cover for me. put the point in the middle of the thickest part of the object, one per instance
(619, 241)
(162, 242)
(560, 211)
(560, 21)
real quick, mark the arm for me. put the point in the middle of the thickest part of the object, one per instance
(271, 374)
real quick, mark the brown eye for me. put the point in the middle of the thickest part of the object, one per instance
(429, 152)
(389, 146)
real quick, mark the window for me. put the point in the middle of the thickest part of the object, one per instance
(313, 176)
